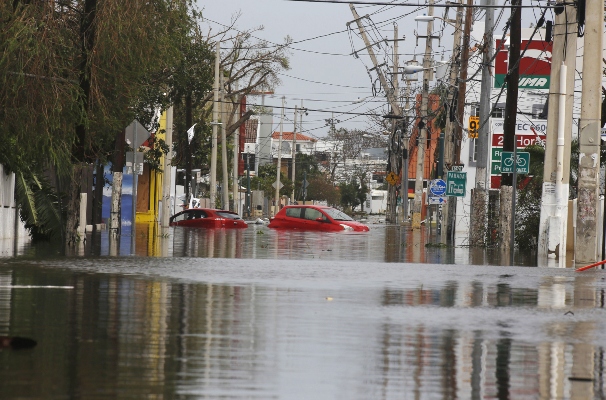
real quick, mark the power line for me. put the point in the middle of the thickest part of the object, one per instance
(377, 3)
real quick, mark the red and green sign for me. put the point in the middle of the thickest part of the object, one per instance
(535, 65)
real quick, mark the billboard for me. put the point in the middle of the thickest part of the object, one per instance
(535, 64)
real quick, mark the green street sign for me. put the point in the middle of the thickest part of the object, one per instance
(496, 154)
(522, 162)
(495, 168)
(456, 183)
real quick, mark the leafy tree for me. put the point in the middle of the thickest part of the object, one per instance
(265, 179)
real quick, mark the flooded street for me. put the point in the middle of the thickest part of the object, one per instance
(262, 314)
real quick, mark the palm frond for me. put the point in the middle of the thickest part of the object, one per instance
(24, 197)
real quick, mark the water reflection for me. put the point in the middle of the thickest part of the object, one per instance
(384, 243)
(130, 329)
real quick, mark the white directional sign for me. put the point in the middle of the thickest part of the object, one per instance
(437, 200)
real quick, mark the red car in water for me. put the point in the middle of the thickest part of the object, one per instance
(207, 218)
(315, 218)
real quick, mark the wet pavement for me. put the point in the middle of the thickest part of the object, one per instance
(263, 314)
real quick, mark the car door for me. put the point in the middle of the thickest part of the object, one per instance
(294, 218)
(315, 220)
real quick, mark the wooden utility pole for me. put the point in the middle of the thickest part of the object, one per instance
(391, 212)
(479, 196)
(586, 244)
(449, 212)
(554, 209)
(507, 198)
(418, 200)
(213, 153)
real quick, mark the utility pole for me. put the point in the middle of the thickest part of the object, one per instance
(166, 167)
(479, 195)
(293, 154)
(405, 137)
(279, 164)
(507, 199)
(449, 134)
(391, 98)
(213, 154)
(586, 244)
(395, 140)
(235, 186)
(554, 199)
(418, 200)
(225, 174)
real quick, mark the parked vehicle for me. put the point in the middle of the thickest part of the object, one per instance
(315, 218)
(207, 218)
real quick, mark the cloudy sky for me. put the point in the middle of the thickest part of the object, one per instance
(324, 75)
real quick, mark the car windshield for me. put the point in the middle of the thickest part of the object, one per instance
(228, 215)
(337, 215)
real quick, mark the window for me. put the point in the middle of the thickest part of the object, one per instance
(179, 217)
(537, 110)
(228, 215)
(475, 109)
(294, 212)
(499, 110)
(313, 214)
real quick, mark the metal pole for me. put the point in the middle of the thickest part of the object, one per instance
(248, 199)
(134, 192)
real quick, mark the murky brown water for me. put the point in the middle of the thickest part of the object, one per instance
(259, 314)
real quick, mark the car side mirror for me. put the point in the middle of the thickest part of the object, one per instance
(319, 219)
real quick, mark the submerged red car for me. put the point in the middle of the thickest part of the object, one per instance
(207, 218)
(315, 218)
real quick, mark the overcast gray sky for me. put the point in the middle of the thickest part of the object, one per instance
(342, 77)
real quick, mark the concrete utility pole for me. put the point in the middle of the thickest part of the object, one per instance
(479, 195)
(418, 200)
(235, 185)
(449, 212)
(554, 199)
(586, 244)
(166, 167)
(393, 102)
(225, 184)
(213, 153)
(507, 199)
(405, 138)
(293, 154)
(279, 164)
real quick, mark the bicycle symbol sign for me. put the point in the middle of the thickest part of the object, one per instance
(522, 162)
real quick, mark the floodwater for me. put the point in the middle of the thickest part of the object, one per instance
(262, 314)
